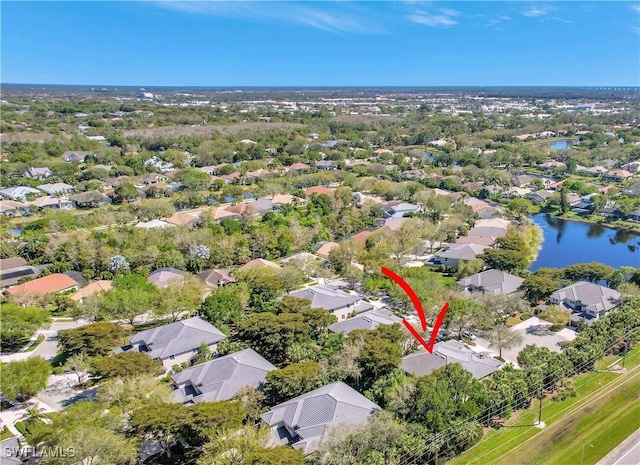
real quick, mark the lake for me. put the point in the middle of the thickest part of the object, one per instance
(561, 144)
(567, 242)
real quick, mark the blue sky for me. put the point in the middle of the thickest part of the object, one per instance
(341, 43)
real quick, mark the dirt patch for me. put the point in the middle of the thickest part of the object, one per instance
(195, 130)
(8, 138)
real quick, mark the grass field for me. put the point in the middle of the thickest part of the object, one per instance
(603, 414)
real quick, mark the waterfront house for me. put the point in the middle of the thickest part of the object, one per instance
(454, 253)
(491, 282)
(586, 300)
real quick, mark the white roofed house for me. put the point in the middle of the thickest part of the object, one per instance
(18, 192)
(335, 301)
(306, 421)
(56, 188)
(177, 342)
(221, 378)
(38, 173)
(52, 203)
(588, 301)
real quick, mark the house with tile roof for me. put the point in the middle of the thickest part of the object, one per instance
(96, 287)
(221, 378)
(423, 363)
(216, 277)
(50, 284)
(586, 300)
(325, 249)
(259, 263)
(11, 208)
(454, 253)
(18, 192)
(334, 300)
(176, 342)
(38, 173)
(367, 320)
(305, 421)
(56, 188)
(491, 282)
(165, 277)
(52, 203)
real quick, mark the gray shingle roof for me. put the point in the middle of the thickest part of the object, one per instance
(492, 282)
(423, 363)
(461, 251)
(311, 414)
(178, 338)
(221, 378)
(326, 297)
(592, 296)
(163, 277)
(487, 231)
(367, 320)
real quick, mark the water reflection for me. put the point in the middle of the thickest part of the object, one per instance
(577, 242)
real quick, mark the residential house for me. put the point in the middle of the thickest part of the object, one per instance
(165, 277)
(522, 180)
(153, 224)
(259, 263)
(324, 249)
(38, 173)
(619, 175)
(305, 421)
(491, 282)
(260, 206)
(551, 165)
(367, 320)
(587, 300)
(185, 219)
(96, 287)
(52, 203)
(12, 208)
(493, 223)
(90, 199)
(490, 212)
(56, 188)
(18, 192)
(13, 269)
(326, 165)
(423, 363)
(298, 167)
(454, 253)
(50, 284)
(515, 192)
(400, 209)
(176, 342)
(216, 277)
(154, 178)
(633, 167)
(634, 216)
(540, 196)
(481, 240)
(492, 231)
(335, 301)
(395, 223)
(159, 164)
(221, 378)
(319, 190)
(77, 156)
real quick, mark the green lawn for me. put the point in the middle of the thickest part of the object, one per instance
(36, 343)
(600, 415)
(5, 433)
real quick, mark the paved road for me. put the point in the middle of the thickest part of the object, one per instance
(627, 453)
(48, 348)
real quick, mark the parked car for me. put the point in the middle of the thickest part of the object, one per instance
(468, 335)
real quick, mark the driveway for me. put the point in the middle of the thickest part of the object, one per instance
(49, 347)
(534, 332)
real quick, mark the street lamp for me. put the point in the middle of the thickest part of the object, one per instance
(582, 457)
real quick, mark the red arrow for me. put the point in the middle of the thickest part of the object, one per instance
(418, 305)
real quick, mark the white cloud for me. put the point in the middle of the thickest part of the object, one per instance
(535, 11)
(444, 18)
(636, 8)
(339, 17)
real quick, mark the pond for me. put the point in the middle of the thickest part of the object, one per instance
(567, 242)
(561, 144)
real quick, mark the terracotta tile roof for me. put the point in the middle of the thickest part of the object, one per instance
(46, 285)
(318, 190)
(91, 289)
